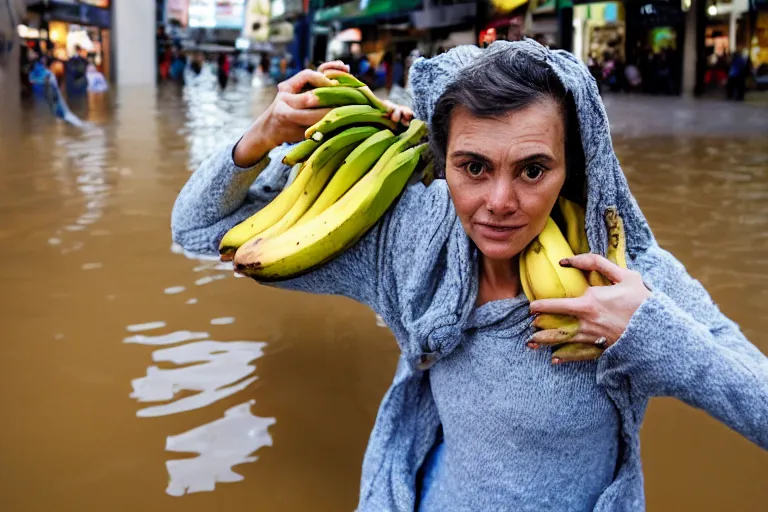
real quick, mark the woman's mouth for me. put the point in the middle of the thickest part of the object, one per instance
(499, 232)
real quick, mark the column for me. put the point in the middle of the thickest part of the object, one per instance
(694, 63)
(10, 46)
(134, 26)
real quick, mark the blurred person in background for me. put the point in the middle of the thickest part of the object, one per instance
(76, 68)
(223, 68)
(359, 65)
(197, 63)
(178, 65)
(740, 69)
(97, 84)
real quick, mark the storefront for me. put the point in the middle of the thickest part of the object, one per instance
(599, 32)
(382, 28)
(503, 20)
(58, 28)
(655, 42)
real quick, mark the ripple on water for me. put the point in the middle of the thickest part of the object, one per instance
(214, 370)
(221, 445)
(144, 327)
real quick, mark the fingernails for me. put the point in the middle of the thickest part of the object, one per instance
(556, 360)
(565, 262)
(530, 343)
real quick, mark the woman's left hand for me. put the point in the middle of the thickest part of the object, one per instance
(602, 312)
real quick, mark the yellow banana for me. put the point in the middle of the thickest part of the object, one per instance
(543, 279)
(301, 152)
(344, 79)
(556, 248)
(357, 163)
(524, 282)
(575, 232)
(545, 283)
(617, 243)
(342, 117)
(280, 205)
(295, 170)
(339, 96)
(301, 248)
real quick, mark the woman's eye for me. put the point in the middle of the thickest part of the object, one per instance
(533, 172)
(475, 168)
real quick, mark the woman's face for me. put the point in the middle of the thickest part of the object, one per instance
(505, 175)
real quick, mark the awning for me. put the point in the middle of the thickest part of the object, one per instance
(361, 9)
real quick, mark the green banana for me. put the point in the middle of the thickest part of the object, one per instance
(372, 99)
(428, 173)
(341, 117)
(280, 205)
(300, 152)
(354, 167)
(339, 96)
(571, 352)
(344, 79)
(314, 186)
(304, 247)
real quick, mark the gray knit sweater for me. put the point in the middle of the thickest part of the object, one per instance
(516, 433)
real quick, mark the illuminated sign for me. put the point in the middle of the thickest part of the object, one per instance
(216, 13)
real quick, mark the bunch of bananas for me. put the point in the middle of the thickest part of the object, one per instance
(542, 277)
(351, 167)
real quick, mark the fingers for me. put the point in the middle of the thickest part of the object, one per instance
(296, 83)
(596, 262)
(334, 64)
(399, 113)
(551, 337)
(572, 307)
(556, 336)
(306, 117)
(299, 101)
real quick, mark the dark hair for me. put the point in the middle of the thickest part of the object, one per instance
(504, 82)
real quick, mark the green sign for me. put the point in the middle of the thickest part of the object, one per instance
(365, 8)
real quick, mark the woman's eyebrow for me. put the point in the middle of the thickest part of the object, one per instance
(538, 157)
(470, 154)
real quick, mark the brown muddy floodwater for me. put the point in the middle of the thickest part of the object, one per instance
(135, 378)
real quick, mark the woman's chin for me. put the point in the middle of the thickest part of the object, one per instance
(498, 250)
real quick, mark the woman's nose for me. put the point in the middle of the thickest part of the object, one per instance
(502, 199)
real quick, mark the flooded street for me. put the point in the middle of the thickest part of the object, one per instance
(136, 378)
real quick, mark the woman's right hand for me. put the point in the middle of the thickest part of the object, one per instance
(288, 117)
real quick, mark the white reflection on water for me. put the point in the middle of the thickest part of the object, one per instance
(144, 327)
(225, 365)
(215, 370)
(222, 444)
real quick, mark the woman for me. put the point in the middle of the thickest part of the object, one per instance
(477, 418)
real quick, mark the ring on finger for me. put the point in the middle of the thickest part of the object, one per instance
(601, 342)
